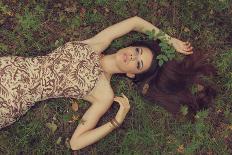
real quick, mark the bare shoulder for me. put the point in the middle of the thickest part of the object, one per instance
(97, 45)
(102, 91)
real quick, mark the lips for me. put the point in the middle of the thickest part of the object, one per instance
(125, 57)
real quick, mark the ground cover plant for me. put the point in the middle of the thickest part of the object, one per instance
(32, 28)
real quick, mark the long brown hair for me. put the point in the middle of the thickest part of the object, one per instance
(171, 84)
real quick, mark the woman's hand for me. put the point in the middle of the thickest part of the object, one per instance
(124, 107)
(182, 47)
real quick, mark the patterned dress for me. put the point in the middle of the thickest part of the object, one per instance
(71, 70)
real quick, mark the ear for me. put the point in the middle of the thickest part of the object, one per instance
(130, 75)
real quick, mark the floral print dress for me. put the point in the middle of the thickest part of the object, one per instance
(71, 70)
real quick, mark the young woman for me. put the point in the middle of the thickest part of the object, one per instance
(79, 70)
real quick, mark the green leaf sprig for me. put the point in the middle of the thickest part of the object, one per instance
(167, 51)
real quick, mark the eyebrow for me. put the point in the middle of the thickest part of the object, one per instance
(141, 60)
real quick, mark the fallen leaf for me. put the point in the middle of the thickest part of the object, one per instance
(82, 12)
(200, 87)
(184, 110)
(67, 144)
(58, 140)
(106, 9)
(74, 118)
(75, 106)
(180, 149)
(230, 127)
(54, 118)
(211, 12)
(145, 88)
(94, 11)
(9, 13)
(52, 126)
(186, 29)
(71, 9)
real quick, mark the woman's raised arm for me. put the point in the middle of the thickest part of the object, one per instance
(180, 46)
(103, 39)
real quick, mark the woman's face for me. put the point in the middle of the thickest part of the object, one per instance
(134, 59)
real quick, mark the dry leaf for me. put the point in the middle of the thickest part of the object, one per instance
(186, 29)
(58, 140)
(211, 12)
(230, 127)
(82, 12)
(71, 9)
(180, 149)
(145, 88)
(200, 87)
(67, 144)
(106, 9)
(52, 126)
(75, 106)
(94, 11)
(74, 118)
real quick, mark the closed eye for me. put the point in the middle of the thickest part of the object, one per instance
(138, 65)
(137, 50)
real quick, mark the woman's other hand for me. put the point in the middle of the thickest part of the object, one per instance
(182, 47)
(124, 107)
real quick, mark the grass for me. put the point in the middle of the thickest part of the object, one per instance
(33, 28)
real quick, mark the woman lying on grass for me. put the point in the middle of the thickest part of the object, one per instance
(167, 85)
(79, 70)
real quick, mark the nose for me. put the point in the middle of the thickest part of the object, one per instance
(132, 57)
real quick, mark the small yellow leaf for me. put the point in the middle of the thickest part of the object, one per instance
(180, 149)
(52, 126)
(186, 29)
(58, 140)
(230, 127)
(106, 9)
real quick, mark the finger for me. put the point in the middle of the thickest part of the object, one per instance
(188, 49)
(186, 53)
(124, 95)
(188, 44)
(116, 99)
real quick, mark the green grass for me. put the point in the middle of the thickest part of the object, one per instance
(35, 28)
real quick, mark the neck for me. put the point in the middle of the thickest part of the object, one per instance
(109, 65)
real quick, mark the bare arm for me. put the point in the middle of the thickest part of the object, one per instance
(103, 39)
(84, 134)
